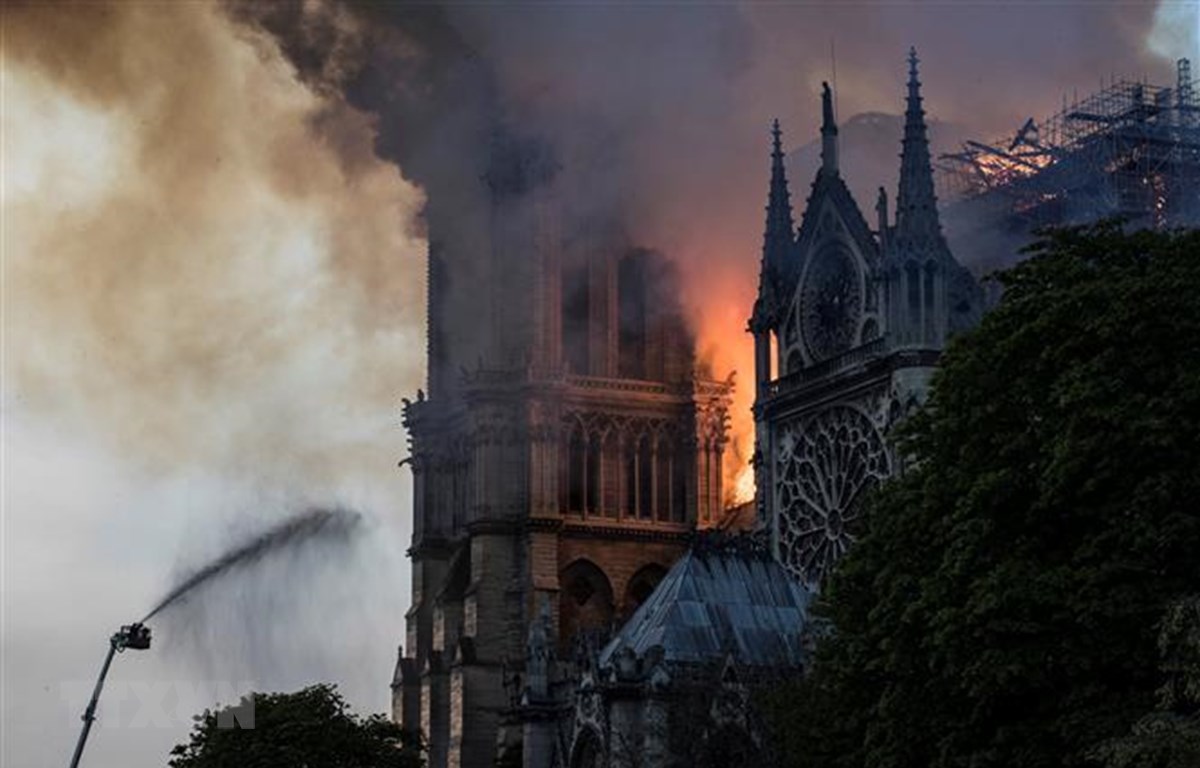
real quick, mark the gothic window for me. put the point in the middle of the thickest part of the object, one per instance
(662, 480)
(679, 483)
(575, 319)
(611, 459)
(631, 336)
(645, 470)
(825, 463)
(631, 477)
(773, 359)
(593, 477)
(586, 600)
(576, 470)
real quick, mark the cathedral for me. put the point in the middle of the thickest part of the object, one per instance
(565, 451)
(848, 325)
(567, 461)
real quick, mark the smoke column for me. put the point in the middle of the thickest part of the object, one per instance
(213, 300)
(657, 116)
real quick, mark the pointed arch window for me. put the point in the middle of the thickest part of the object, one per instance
(593, 477)
(610, 463)
(679, 485)
(663, 457)
(576, 315)
(576, 474)
(645, 472)
(631, 478)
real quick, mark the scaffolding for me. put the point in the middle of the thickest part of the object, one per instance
(1130, 150)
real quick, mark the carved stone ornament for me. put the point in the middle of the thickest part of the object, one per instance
(825, 463)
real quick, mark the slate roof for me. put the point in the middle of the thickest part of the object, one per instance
(718, 602)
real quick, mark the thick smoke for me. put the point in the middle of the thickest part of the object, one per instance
(656, 116)
(213, 292)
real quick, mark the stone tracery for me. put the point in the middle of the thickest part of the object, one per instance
(824, 465)
(620, 466)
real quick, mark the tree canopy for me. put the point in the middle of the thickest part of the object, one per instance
(1003, 603)
(311, 728)
(1169, 737)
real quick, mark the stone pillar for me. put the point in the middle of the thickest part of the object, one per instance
(406, 693)
(538, 710)
(435, 699)
(476, 701)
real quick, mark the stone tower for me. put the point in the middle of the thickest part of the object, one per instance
(563, 453)
(848, 326)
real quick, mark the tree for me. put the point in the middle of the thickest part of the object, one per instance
(1000, 608)
(311, 727)
(1169, 737)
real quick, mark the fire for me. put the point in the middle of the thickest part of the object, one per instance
(1001, 169)
(723, 303)
(743, 485)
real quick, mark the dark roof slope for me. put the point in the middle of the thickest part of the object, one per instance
(717, 602)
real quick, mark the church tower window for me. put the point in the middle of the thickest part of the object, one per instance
(662, 479)
(593, 477)
(631, 338)
(645, 480)
(576, 470)
(575, 317)
(679, 489)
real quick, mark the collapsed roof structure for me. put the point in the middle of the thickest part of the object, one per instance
(1131, 150)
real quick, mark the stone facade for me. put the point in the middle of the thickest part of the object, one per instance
(563, 454)
(848, 326)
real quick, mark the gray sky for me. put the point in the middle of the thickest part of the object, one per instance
(213, 294)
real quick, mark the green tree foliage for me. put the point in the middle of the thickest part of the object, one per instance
(1001, 607)
(311, 728)
(1170, 736)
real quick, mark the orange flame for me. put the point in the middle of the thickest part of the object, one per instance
(722, 305)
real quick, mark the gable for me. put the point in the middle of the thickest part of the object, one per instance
(830, 205)
(832, 223)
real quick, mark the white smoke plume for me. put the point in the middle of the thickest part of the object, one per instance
(213, 300)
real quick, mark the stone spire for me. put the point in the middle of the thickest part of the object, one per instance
(829, 132)
(916, 205)
(777, 240)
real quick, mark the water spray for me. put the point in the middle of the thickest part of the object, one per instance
(294, 530)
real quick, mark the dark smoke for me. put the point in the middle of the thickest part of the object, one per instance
(323, 524)
(647, 124)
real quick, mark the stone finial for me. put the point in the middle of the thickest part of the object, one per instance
(829, 132)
